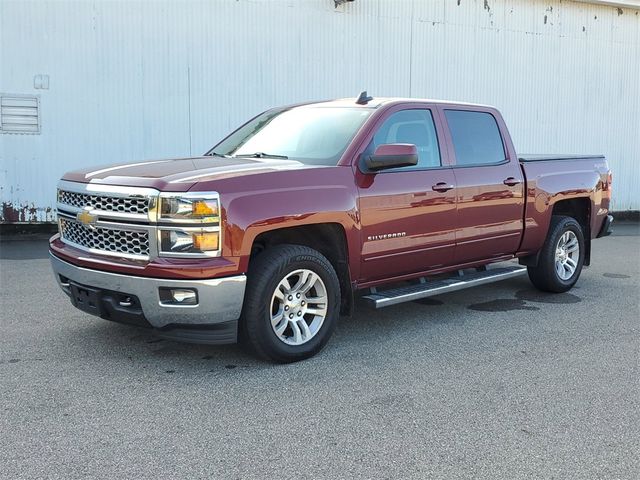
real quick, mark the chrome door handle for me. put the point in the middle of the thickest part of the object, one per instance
(442, 187)
(511, 181)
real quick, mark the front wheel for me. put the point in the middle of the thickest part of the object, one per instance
(561, 258)
(292, 303)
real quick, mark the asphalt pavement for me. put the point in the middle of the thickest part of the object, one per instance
(499, 381)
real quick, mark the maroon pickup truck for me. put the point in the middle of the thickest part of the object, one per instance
(271, 234)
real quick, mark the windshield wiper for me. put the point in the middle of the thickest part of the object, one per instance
(262, 155)
(216, 154)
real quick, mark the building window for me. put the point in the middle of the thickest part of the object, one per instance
(19, 114)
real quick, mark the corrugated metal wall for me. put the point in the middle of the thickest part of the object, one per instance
(140, 80)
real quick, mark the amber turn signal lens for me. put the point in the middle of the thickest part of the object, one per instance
(201, 208)
(189, 210)
(206, 241)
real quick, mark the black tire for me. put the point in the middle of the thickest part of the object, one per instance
(544, 276)
(265, 273)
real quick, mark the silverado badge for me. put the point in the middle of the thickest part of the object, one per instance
(385, 236)
(86, 218)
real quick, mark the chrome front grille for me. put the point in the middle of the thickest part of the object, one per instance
(124, 221)
(128, 242)
(111, 220)
(105, 203)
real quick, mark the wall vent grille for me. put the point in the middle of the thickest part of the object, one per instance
(19, 114)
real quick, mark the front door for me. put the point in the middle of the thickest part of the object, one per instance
(407, 214)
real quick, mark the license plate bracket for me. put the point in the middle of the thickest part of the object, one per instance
(86, 299)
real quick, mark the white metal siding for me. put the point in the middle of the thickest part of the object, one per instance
(140, 80)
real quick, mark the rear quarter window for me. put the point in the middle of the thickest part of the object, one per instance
(476, 137)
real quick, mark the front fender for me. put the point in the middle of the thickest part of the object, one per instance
(289, 199)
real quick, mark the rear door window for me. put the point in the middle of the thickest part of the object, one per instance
(476, 137)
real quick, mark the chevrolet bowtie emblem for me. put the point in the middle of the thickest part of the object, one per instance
(85, 217)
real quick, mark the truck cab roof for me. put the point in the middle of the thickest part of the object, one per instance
(377, 102)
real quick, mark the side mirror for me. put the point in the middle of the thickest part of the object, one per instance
(392, 155)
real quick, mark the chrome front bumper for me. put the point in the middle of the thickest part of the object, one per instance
(219, 299)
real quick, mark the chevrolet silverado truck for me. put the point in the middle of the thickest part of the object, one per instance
(269, 236)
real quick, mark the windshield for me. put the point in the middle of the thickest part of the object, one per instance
(311, 135)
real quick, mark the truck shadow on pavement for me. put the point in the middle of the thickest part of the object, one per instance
(523, 301)
(365, 332)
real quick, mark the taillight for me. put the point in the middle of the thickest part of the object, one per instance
(607, 186)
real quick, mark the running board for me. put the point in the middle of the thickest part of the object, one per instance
(385, 298)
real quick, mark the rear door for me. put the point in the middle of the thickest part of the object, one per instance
(407, 214)
(489, 181)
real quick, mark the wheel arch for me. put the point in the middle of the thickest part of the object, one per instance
(330, 239)
(579, 209)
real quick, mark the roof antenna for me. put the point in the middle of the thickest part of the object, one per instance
(363, 99)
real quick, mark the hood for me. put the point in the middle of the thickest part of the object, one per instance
(180, 174)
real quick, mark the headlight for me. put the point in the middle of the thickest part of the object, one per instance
(189, 208)
(198, 217)
(194, 241)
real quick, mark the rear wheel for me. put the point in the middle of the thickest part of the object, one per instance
(292, 303)
(561, 258)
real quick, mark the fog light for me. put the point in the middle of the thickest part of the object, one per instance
(178, 296)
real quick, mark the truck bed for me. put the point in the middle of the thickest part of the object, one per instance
(582, 179)
(547, 158)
